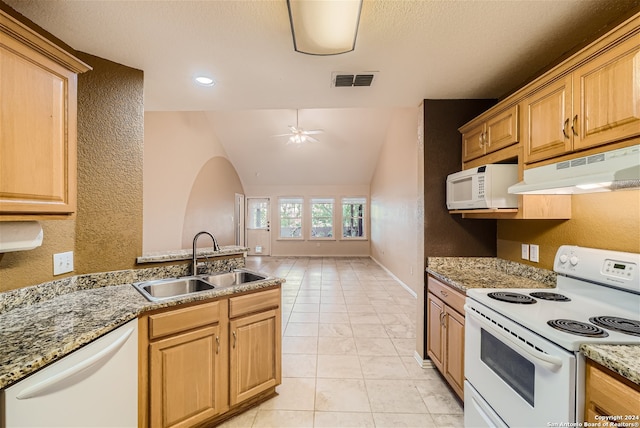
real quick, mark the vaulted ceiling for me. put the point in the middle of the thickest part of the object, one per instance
(435, 49)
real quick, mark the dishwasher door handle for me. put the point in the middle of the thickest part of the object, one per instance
(50, 384)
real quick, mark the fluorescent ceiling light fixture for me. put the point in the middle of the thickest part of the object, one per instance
(204, 81)
(324, 27)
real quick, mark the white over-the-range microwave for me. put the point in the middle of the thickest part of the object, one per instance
(482, 187)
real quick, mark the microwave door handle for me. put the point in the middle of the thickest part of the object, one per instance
(550, 361)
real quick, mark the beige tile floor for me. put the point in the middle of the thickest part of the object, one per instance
(348, 351)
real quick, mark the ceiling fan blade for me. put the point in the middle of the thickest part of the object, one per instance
(314, 131)
(283, 135)
(313, 140)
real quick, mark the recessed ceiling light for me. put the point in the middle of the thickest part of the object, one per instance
(204, 81)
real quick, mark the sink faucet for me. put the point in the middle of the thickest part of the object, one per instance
(194, 261)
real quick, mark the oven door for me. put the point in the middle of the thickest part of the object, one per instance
(525, 379)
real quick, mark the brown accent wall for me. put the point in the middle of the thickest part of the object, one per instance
(107, 231)
(447, 235)
(599, 220)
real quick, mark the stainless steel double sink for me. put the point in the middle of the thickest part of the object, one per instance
(163, 289)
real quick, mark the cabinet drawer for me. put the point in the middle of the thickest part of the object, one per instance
(447, 294)
(254, 302)
(183, 319)
(610, 394)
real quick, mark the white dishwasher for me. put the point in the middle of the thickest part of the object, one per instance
(95, 386)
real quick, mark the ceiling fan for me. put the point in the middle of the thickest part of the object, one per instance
(298, 135)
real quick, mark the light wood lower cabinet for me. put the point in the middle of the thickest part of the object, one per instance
(610, 398)
(205, 362)
(445, 332)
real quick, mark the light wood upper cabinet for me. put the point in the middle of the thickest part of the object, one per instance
(606, 96)
(595, 104)
(38, 101)
(490, 135)
(547, 116)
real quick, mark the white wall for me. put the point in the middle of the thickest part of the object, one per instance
(189, 184)
(308, 247)
(396, 217)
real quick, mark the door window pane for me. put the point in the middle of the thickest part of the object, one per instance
(258, 213)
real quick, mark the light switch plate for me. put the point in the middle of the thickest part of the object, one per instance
(62, 263)
(525, 251)
(534, 253)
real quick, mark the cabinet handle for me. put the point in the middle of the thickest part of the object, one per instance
(564, 128)
(217, 344)
(480, 140)
(442, 320)
(573, 125)
(484, 139)
(444, 293)
(234, 339)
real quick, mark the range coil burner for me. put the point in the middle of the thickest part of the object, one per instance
(622, 325)
(546, 295)
(505, 296)
(577, 327)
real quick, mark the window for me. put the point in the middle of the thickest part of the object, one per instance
(321, 218)
(290, 217)
(353, 217)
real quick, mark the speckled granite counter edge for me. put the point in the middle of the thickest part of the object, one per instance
(127, 304)
(176, 255)
(622, 359)
(484, 270)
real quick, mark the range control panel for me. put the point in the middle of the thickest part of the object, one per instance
(613, 268)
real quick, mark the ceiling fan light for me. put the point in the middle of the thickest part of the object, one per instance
(324, 27)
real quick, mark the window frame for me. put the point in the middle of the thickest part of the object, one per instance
(343, 201)
(291, 199)
(322, 200)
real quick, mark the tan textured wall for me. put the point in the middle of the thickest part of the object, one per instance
(178, 150)
(394, 201)
(110, 161)
(211, 204)
(599, 220)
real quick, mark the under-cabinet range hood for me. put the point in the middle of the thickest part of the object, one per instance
(611, 170)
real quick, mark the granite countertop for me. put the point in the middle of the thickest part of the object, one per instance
(175, 255)
(36, 333)
(488, 272)
(622, 359)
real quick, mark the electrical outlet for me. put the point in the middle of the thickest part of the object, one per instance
(534, 253)
(62, 263)
(525, 251)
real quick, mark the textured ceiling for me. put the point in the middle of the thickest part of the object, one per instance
(420, 49)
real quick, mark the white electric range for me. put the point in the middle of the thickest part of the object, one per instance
(522, 361)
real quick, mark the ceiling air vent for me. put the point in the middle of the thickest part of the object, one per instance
(346, 80)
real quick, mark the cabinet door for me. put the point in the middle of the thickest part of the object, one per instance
(607, 97)
(454, 354)
(37, 132)
(473, 142)
(184, 376)
(255, 354)
(435, 331)
(502, 130)
(546, 118)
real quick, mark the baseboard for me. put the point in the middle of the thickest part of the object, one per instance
(405, 286)
(425, 364)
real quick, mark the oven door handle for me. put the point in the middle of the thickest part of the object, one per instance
(548, 360)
